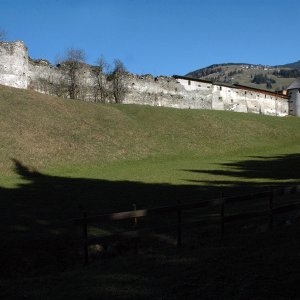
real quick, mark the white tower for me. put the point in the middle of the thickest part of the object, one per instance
(294, 98)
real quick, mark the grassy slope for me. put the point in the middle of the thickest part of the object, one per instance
(81, 139)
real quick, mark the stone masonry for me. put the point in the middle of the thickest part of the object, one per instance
(18, 70)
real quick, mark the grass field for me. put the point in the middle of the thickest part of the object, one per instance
(57, 155)
(74, 138)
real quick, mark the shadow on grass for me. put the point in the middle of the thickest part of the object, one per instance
(30, 209)
(257, 171)
(32, 213)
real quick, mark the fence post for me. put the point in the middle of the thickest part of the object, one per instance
(271, 209)
(85, 238)
(222, 215)
(135, 219)
(135, 225)
(179, 233)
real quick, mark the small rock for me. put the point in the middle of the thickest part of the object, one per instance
(96, 250)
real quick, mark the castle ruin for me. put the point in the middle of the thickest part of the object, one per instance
(18, 70)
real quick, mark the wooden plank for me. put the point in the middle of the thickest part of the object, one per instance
(202, 204)
(187, 206)
(115, 216)
(284, 190)
(243, 216)
(247, 197)
(133, 234)
(208, 220)
(146, 212)
(286, 208)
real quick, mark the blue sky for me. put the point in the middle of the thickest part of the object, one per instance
(161, 37)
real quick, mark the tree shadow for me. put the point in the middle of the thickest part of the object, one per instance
(257, 171)
(35, 215)
(36, 240)
(36, 212)
(36, 207)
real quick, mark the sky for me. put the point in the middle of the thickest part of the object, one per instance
(159, 37)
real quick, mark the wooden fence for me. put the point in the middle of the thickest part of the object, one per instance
(221, 218)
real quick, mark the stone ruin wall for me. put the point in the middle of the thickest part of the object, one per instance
(13, 64)
(53, 80)
(222, 97)
(249, 101)
(164, 91)
(18, 70)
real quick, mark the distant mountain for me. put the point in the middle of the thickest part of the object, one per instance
(259, 76)
(295, 65)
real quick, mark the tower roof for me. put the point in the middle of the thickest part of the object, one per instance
(294, 85)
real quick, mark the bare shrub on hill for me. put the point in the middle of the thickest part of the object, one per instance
(73, 65)
(101, 91)
(2, 35)
(116, 77)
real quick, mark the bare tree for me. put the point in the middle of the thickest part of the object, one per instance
(2, 35)
(117, 76)
(101, 90)
(73, 63)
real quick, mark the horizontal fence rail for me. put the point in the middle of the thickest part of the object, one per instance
(213, 218)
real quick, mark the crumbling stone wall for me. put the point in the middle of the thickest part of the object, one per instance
(43, 77)
(13, 64)
(164, 91)
(54, 80)
(18, 70)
